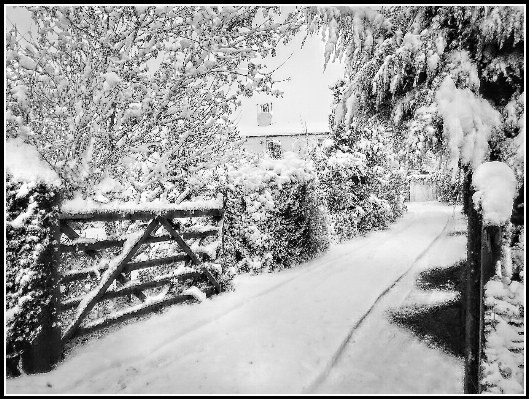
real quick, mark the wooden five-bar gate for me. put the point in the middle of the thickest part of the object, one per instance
(119, 268)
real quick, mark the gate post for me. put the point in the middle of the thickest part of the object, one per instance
(472, 292)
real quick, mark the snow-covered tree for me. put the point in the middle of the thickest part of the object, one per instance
(136, 99)
(449, 79)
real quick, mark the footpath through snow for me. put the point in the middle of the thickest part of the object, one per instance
(277, 333)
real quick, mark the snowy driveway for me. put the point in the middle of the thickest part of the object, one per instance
(277, 333)
(410, 342)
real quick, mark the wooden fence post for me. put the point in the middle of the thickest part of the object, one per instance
(472, 295)
(490, 251)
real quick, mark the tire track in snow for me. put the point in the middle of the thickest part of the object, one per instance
(339, 352)
(312, 268)
(309, 269)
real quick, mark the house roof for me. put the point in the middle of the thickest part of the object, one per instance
(284, 129)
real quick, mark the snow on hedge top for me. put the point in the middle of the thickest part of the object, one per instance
(468, 123)
(495, 186)
(78, 205)
(343, 160)
(25, 164)
(269, 171)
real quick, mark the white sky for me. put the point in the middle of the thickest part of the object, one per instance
(306, 96)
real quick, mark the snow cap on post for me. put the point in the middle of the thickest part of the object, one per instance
(495, 186)
(25, 164)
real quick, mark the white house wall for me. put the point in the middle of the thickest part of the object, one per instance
(255, 144)
(298, 144)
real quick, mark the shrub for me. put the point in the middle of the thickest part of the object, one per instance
(358, 200)
(273, 216)
(448, 190)
(31, 216)
(504, 345)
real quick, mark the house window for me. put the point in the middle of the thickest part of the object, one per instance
(273, 148)
(266, 107)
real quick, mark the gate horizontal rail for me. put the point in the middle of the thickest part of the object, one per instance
(118, 268)
(113, 215)
(91, 245)
(138, 311)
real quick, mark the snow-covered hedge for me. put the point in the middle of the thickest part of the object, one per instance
(31, 216)
(358, 200)
(503, 366)
(448, 189)
(273, 216)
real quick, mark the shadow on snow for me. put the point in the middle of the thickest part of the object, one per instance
(439, 325)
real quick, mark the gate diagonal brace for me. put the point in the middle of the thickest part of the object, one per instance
(169, 226)
(84, 308)
(67, 230)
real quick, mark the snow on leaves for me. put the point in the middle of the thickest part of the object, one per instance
(503, 365)
(93, 73)
(468, 123)
(400, 59)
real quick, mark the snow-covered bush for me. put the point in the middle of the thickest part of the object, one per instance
(32, 215)
(273, 216)
(447, 187)
(342, 179)
(360, 179)
(503, 365)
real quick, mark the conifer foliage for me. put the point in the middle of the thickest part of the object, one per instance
(32, 214)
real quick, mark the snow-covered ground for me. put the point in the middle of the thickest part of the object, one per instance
(276, 333)
(417, 355)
